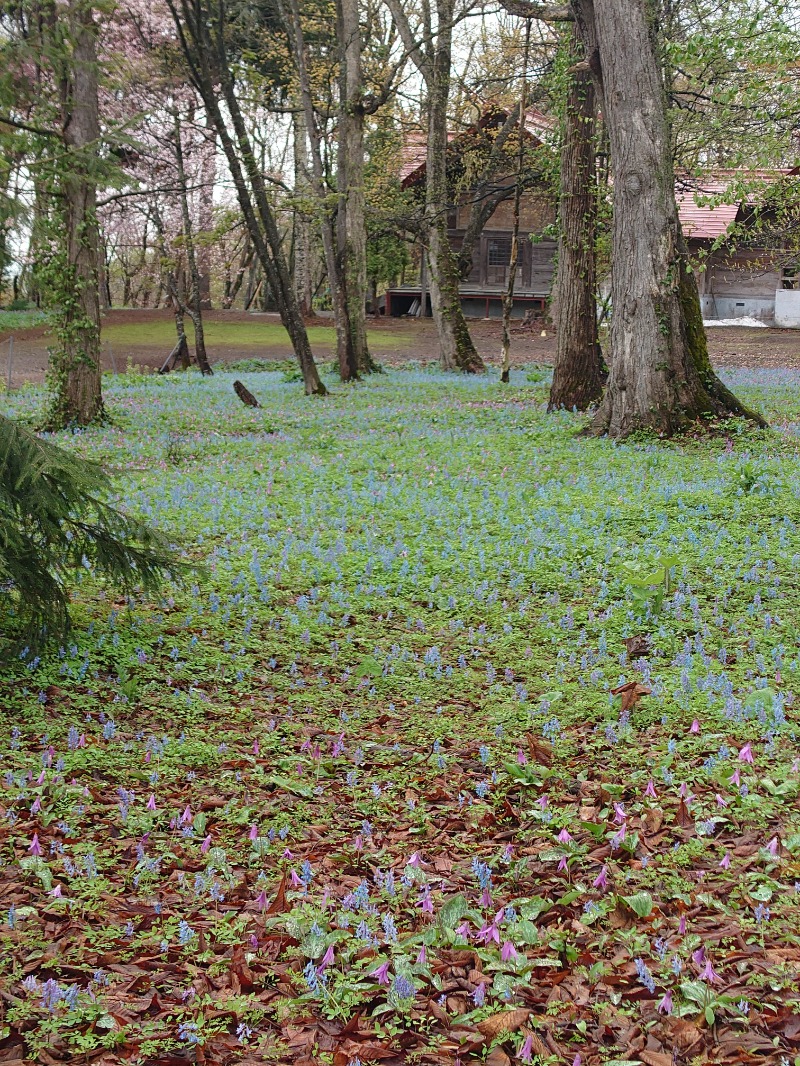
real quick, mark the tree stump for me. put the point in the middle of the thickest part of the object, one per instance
(245, 395)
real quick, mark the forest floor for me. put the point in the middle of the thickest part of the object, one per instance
(145, 338)
(473, 741)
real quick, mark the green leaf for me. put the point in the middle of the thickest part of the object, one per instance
(453, 910)
(641, 903)
(368, 667)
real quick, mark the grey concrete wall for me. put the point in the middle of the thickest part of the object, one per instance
(738, 307)
(787, 308)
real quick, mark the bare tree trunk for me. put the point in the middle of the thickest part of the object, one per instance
(208, 174)
(74, 371)
(202, 38)
(578, 371)
(456, 350)
(348, 369)
(194, 304)
(660, 378)
(301, 232)
(508, 298)
(350, 222)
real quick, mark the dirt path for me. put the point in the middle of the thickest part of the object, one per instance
(416, 340)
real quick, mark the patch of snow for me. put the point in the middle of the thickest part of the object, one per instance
(745, 320)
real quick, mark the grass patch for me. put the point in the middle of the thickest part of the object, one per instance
(255, 334)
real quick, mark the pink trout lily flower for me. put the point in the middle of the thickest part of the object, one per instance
(36, 847)
(255, 747)
(651, 790)
(381, 974)
(526, 1051)
(601, 881)
(55, 892)
(694, 727)
(746, 754)
(151, 803)
(327, 960)
(508, 951)
(422, 957)
(464, 931)
(708, 973)
(186, 817)
(261, 898)
(521, 757)
(725, 861)
(773, 846)
(253, 834)
(665, 1006)
(564, 837)
(204, 847)
(736, 777)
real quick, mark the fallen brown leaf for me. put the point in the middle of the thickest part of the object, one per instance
(506, 1021)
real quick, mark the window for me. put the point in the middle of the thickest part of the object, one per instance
(499, 251)
(498, 259)
(790, 277)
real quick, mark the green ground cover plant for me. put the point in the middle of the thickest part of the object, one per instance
(473, 740)
(260, 332)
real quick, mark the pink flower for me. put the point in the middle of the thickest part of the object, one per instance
(619, 814)
(508, 951)
(562, 865)
(254, 942)
(327, 959)
(526, 1051)
(151, 803)
(725, 861)
(665, 1006)
(36, 847)
(55, 892)
(381, 975)
(358, 843)
(699, 956)
(542, 801)
(296, 882)
(564, 837)
(486, 898)
(36, 806)
(422, 957)
(508, 852)
(694, 727)
(746, 754)
(415, 860)
(682, 926)
(708, 973)
(255, 747)
(261, 899)
(650, 790)
(721, 801)
(253, 834)
(206, 845)
(146, 755)
(488, 933)
(82, 741)
(521, 757)
(464, 931)
(735, 777)
(186, 817)
(601, 881)
(576, 1061)
(773, 846)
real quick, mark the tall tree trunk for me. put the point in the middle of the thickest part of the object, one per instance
(348, 367)
(456, 350)
(202, 38)
(578, 371)
(301, 226)
(194, 303)
(208, 175)
(508, 298)
(74, 371)
(660, 378)
(350, 221)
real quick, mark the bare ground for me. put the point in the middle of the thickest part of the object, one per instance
(416, 340)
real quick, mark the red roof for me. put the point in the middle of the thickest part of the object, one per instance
(705, 221)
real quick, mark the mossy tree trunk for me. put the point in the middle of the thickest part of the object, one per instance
(660, 378)
(74, 372)
(578, 369)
